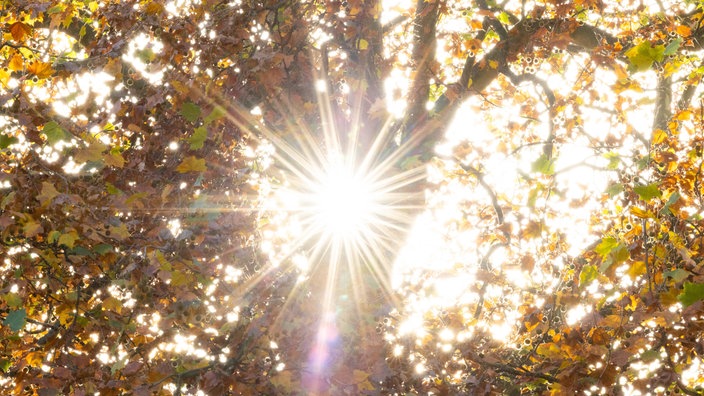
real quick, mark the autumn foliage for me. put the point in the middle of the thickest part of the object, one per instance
(138, 149)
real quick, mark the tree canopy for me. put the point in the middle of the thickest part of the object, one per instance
(351, 197)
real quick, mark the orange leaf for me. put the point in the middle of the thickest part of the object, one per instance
(684, 31)
(40, 69)
(16, 62)
(19, 30)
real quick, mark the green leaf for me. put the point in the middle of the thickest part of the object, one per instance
(217, 113)
(199, 136)
(5, 365)
(54, 133)
(648, 192)
(606, 246)
(643, 55)
(677, 275)
(614, 160)
(587, 275)
(614, 189)
(16, 319)
(112, 190)
(671, 201)
(13, 300)
(102, 248)
(544, 165)
(81, 251)
(692, 293)
(190, 111)
(672, 48)
(6, 141)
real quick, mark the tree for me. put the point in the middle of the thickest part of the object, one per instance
(167, 169)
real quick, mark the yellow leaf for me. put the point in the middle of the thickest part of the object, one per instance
(361, 378)
(548, 349)
(40, 69)
(32, 228)
(641, 213)
(493, 64)
(637, 269)
(93, 152)
(35, 359)
(68, 239)
(112, 304)
(114, 159)
(154, 8)
(4, 77)
(48, 193)
(363, 44)
(191, 164)
(659, 136)
(120, 233)
(16, 62)
(684, 115)
(684, 31)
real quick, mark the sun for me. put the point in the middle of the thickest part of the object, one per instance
(343, 202)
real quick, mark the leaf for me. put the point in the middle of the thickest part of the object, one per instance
(672, 47)
(643, 55)
(636, 269)
(684, 31)
(20, 30)
(692, 293)
(120, 233)
(677, 275)
(32, 228)
(544, 165)
(16, 319)
(614, 160)
(191, 164)
(587, 275)
(361, 379)
(48, 193)
(6, 141)
(93, 152)
(103, 248)
(199, 136)
(648, 192)
(114, 158)
(5, 365)
(548, 349)
(13, 300)
(40, 69)
(641, 213)
(35, 359)
(54, 133)
(16, 62)
(190, 111)
(606, 246)
(614, 189)
(362, 44)
(217, 113)
(68, 239)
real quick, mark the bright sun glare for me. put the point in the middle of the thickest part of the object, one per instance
(343, 201)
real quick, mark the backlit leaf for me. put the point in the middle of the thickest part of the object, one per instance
(20, 31)
(40, 69)
(587, 275)
(54, 133)
(648, 192)
(16, 62)
(191, 164)
(677, 275)
(606, 246)
(643, 55)
(47, 194)
(672, 47)
(6, 141)
(13, 300)
(190, 111)
(199, 136)
(692, 293)
(544, 165)
(16, 319)
(93, 152)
